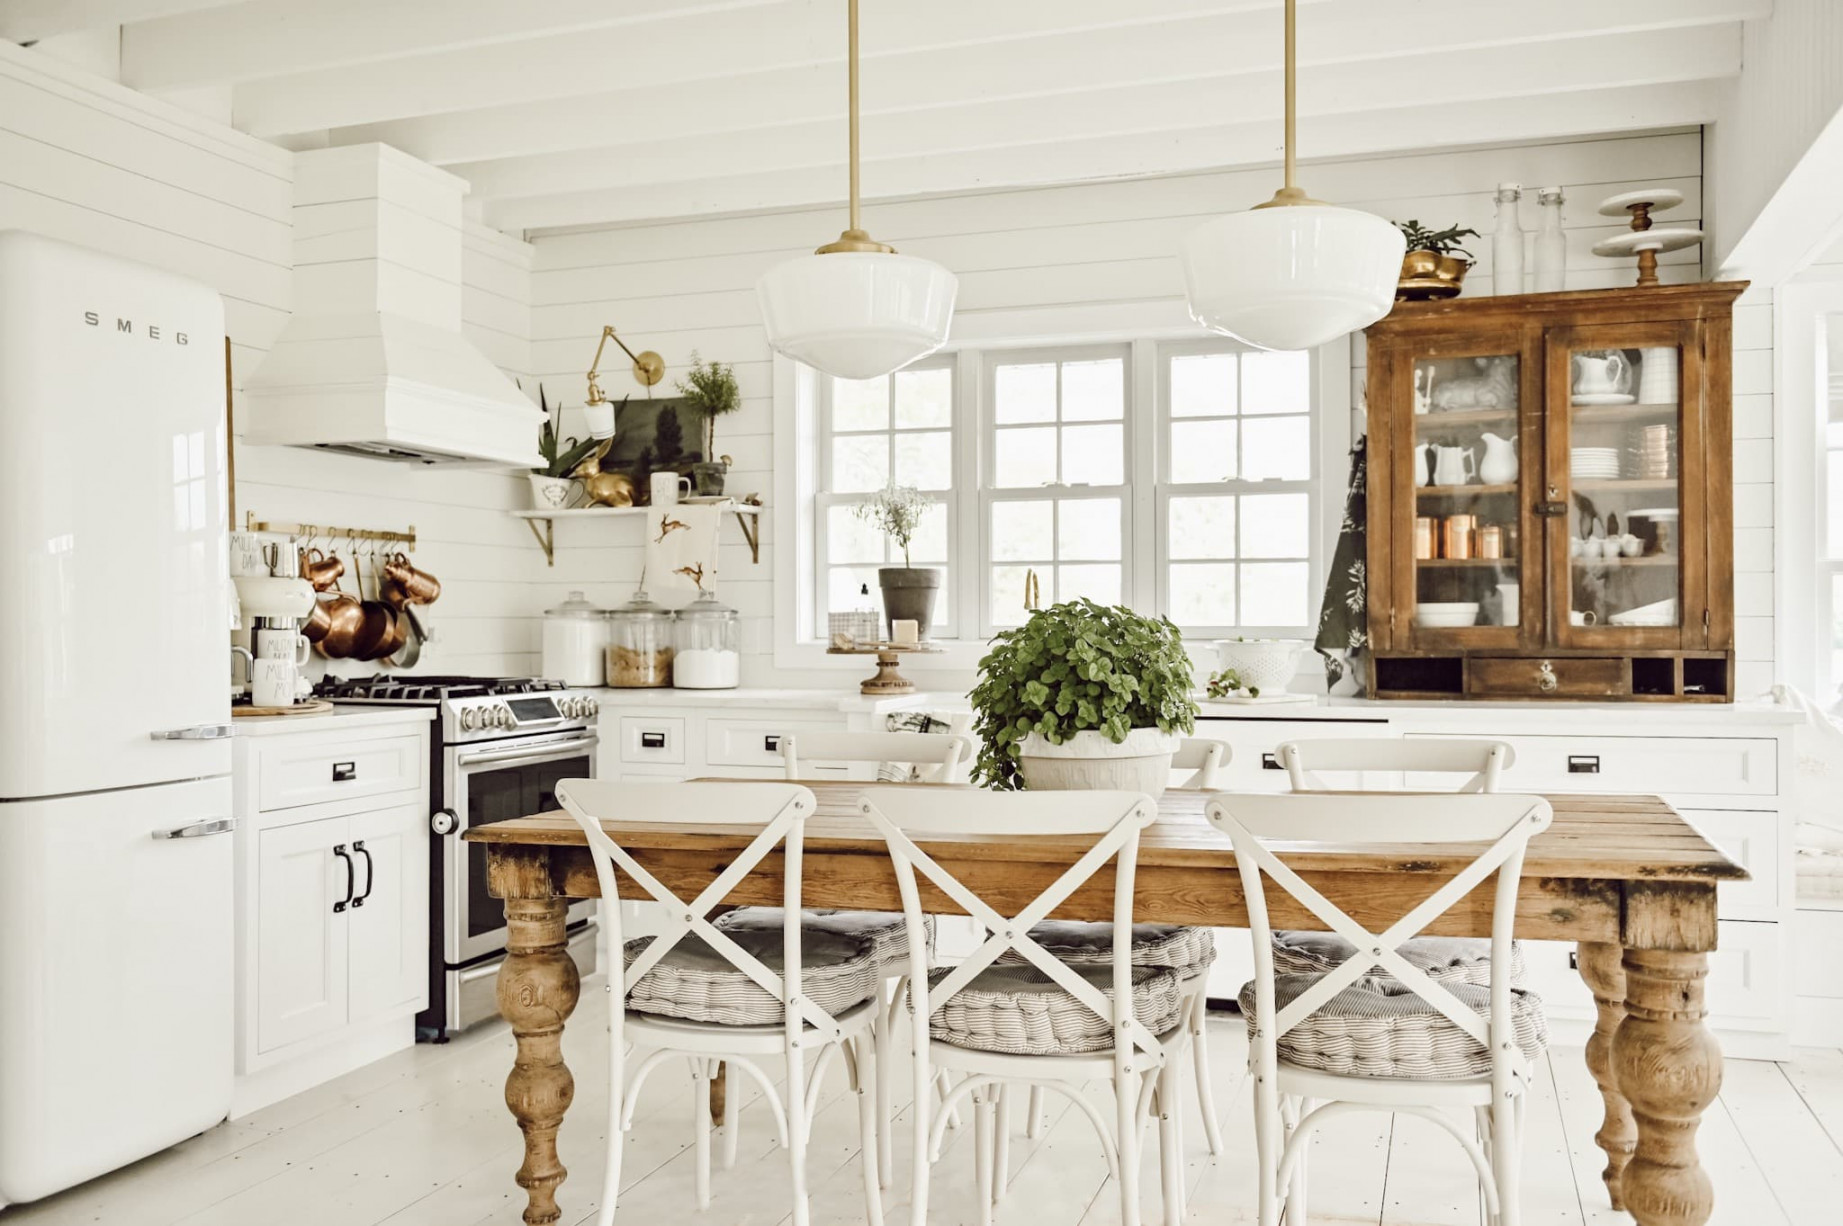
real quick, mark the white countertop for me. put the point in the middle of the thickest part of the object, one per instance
(340, 719)
(754, 699)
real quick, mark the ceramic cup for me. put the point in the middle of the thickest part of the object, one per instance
(272, 683)
(1630, 545)
(1582, 617)
(666, 488)
(281, 644)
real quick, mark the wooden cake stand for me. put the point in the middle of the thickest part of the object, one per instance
(889, 680)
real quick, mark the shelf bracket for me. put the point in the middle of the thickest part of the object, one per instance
(751, 526)
(546, 538)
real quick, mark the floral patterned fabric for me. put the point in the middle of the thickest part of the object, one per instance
(1343, 622)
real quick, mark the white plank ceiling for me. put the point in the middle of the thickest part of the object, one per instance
(569, 113)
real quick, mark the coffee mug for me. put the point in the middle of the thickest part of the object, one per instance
(272, 683)
(246, 555)
(666, 488)
(280, 644)
(1583, 617)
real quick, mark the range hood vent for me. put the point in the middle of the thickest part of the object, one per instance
(373, 362)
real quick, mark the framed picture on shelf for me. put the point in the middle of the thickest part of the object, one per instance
(660, 435)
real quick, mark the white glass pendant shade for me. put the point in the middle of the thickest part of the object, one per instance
(1294, 276)
(857, 314)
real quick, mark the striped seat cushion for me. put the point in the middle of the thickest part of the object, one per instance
(1020, 1011)
(885, 930)
(696, 983)
(1188, 951)
(1446, 959)
(1378, 1028)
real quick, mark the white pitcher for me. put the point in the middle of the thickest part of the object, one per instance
(1454, 465)
(1499, 467)
(1600, 372)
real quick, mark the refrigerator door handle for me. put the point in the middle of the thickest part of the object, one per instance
(197, 732)
(198, 830)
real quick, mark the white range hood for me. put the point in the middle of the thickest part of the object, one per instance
(373, 361)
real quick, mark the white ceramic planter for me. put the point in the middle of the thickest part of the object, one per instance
(550, 493)
(1089, 761)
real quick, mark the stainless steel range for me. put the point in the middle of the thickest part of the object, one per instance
(499, 747)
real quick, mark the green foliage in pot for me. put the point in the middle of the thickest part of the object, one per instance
(1074, 667)
(1440, 242)
(560, 454)
(711, 389)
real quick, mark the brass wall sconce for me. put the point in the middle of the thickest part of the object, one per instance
(649, 368)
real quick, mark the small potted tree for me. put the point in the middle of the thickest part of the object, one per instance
(1435, 264)
(711, 389)
(908, 591)
(1083, 696)
(551, 482)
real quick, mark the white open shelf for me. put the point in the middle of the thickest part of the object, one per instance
(748, 518)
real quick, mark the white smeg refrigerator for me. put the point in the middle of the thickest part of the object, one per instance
(116, 1007)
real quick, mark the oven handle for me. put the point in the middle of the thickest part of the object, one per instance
(528, 753)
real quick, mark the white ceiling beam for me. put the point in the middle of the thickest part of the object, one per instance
(1059, 158)
(24, 21)
(991, 42)
(267, 38)
(1602, 62)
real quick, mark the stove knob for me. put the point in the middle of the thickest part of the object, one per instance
(468, 719)
(566, 707)
(591, 708)
(503, 717)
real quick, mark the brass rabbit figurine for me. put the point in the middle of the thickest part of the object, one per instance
(603, 489)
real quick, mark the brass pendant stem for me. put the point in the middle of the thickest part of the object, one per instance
(1292, 89)
(852, 89)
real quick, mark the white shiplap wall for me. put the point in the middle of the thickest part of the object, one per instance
(87, 161)
(680, 286)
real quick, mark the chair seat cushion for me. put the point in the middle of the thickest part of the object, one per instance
(1018, 1010)
(696, 983)
(1188, 951)
(1446, 959)
(1378, 1028)
(885, 930)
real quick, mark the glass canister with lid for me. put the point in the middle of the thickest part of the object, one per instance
(709, 639)
(640, 644)
(575, 636)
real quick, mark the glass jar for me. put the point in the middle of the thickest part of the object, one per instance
(575, 638)
(640, 644)
(709, 639)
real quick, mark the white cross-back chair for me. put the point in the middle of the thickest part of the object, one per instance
(795, 1026)
(1458, 1057)
(1481, 762)
(1205, 759)
(941, 757)
(1113, 1043)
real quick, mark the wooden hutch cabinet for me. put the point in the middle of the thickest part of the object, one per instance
(1551, 496)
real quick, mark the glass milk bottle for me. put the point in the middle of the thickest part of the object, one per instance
(1551, 244)
(709, 638)
(1507, 242)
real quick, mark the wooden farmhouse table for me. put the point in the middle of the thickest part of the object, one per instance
(1624, 876)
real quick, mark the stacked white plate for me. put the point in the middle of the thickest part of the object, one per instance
(1593, 463)
(1446, 614)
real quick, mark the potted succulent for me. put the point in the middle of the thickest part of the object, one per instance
(551, 483)
(711, 389)
(1083, 696)
(908, 591)
(1435, 264)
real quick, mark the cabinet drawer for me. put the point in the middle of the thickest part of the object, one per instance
(1254, 745)
(1746, 985)
(1711, 766)
(754, 742)
(1516, 677)
(296, 771)
(1752, 841)
(647, 739)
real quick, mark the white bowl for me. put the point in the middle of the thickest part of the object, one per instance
(1262, 664)
(1447, 615)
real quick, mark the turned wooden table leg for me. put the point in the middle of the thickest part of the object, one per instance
(1664, 1060)
(1601, 967)
(537, 989)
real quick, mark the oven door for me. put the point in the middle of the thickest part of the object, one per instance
(496, 783)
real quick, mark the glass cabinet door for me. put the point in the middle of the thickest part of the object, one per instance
(1623, 574)
(1466, 536)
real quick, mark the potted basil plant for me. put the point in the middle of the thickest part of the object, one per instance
(1083, 696)
(908, 591)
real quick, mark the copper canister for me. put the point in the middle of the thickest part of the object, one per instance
(1491, 542)
(1423, 537)
(1459, 536)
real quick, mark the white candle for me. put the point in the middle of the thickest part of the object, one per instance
(905, 631)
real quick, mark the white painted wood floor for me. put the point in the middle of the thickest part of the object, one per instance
(424, 1139)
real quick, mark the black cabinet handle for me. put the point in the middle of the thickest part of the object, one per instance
(339, 849)
(345, 772)
(652, 740)
(772, 743)
(1583, 764)
(371, 872)
(1270, 763)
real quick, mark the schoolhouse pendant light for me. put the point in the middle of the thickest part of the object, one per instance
(854, 308)
(1293, 272)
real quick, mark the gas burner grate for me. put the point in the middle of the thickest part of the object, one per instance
(386, 688)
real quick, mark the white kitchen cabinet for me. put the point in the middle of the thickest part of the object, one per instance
(332, 899)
